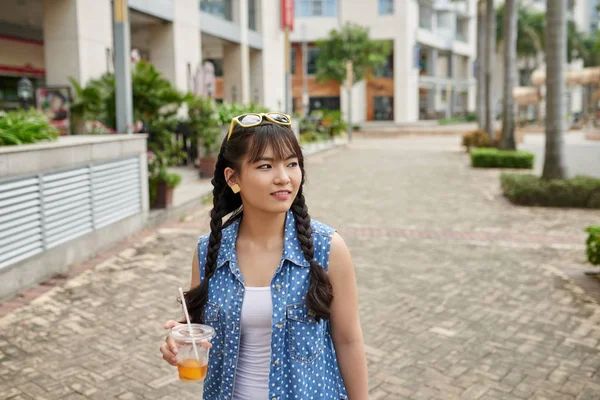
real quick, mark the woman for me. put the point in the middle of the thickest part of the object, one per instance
(278, 288)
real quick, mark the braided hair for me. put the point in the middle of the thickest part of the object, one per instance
(252, 143)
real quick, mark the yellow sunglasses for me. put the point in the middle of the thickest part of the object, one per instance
(250, 120)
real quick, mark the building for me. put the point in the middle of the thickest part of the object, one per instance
(49, 41)
(429, 74)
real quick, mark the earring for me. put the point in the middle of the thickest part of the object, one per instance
(235, 188)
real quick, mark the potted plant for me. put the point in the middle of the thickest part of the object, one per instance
(204, 122)
(593, 247)
(161, 182)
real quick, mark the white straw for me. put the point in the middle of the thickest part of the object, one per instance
(187, 318)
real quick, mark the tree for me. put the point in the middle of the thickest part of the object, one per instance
(353, 44)
(530, 30)
(556, 110)
(507, 141)
(490, 51)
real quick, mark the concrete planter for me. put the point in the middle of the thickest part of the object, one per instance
(63, 201)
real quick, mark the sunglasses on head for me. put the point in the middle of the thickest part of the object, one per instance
(250, 120)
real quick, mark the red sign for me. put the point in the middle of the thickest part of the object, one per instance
(287, 14)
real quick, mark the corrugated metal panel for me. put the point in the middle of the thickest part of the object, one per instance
(42, 212)
(116, 191)
(20, 220)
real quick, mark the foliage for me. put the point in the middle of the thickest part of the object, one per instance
(157, 172)
(352, 43)
(312, 137)
(468, 117)
(496, 158)
(527, 189)
(331, 121)
(593, 244)
(21, 127)
(98, 128)
(204, 122)
(530, 30)
(152, 94)
(479, 138)
(227, 111)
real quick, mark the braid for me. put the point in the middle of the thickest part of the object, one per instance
(320, 291)
(197, 297)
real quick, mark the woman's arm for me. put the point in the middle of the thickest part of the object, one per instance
(345, 323)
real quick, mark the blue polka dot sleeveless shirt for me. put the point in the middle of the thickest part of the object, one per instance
(303, 361)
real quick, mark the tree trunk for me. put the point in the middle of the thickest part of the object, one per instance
(556, 110)
(510, 75)
(481, 113)
(490, 51)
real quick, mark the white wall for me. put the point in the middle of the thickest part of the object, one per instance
(273, 56)
(77, 34)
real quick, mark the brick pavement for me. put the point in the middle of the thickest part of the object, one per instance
(462, 295)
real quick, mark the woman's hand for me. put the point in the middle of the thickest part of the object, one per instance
(169, 348)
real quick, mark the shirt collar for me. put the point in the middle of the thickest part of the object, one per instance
(292, 249)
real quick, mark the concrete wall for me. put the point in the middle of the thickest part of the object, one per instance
(70, 152)
(77, 37)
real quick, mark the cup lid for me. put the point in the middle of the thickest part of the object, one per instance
(182, 333)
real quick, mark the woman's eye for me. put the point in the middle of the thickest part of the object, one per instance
(264, 166)
(293, 164)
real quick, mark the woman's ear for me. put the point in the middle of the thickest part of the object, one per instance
(231, 177)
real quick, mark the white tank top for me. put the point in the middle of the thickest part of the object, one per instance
(252, 374)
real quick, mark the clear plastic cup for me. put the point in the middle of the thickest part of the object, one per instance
(189, 367)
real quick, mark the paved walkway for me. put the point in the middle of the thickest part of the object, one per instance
(462, 295)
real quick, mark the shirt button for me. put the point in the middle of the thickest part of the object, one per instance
(278, 287)
(276, 363)
(279, 325)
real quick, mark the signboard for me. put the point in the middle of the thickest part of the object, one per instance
(287, 14)
(55, 103)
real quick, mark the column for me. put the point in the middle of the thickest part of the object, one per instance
(406, 74)
(273, 56)
(175, 48)
(78, 40)
(256, 77)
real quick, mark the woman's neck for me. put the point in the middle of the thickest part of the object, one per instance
(261, 228)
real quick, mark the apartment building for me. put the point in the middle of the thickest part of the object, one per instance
(49, 41)
(428, 75)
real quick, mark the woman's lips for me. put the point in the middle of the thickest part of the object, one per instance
(282, 194)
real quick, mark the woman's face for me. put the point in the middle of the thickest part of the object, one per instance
(269, 185)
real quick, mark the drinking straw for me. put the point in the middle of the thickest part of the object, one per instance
(187, 318)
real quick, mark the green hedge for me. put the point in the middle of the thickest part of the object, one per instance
(593, 244)
(529, 190)
(495, 158)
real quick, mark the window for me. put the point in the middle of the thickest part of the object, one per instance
(386, 70)
(386, 7)
(252, 15)
(383, 108)
(220, 8)
(320, 103)
(311, 61)
(316, 8)
(425, 17)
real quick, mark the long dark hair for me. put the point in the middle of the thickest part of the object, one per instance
(252, 142)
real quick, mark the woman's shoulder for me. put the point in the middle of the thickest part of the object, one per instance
(321, 229)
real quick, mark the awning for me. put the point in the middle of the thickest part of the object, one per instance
(525, 95)
(582, 77)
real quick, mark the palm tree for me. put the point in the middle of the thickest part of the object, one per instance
(507, 141)
(490, 51)
(556, 110)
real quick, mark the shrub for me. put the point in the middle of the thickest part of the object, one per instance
(495, 158)
(479, 138)
(529, 190)
(21, 127)
(593, 244)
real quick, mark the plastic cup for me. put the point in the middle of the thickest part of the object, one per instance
(190, 368)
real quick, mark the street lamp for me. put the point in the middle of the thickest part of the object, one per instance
(24, 91)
